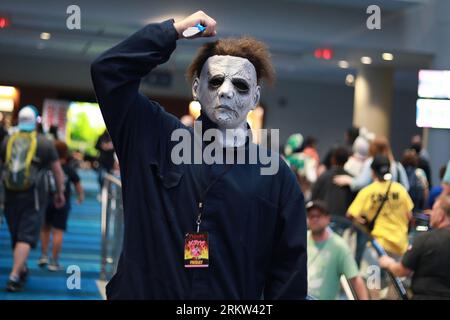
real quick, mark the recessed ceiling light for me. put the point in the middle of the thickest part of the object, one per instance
(343, 64)
(387, 56)
(45, 36)
(366, 60)
(350, 80)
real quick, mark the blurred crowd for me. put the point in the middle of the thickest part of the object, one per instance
(372, 218)
(39, 173)
(377, 225)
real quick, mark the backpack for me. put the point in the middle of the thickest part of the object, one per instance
(20, 173)
(416, 189)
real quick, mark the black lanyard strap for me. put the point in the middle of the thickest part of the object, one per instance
(202, 198)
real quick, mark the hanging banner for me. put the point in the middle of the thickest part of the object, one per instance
(55, 114)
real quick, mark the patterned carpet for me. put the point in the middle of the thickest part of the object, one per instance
(81, 247)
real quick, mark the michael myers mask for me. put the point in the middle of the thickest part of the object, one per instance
(227, 90)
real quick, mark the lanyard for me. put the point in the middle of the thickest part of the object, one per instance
(202, 198)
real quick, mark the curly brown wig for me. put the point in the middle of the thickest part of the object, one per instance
(246, 47)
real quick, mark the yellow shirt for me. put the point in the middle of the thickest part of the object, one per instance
(391, 226)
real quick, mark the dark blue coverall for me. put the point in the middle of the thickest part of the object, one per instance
(256, 223)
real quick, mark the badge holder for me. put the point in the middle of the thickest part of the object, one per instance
(196, 246)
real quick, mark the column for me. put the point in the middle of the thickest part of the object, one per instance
(373, 99)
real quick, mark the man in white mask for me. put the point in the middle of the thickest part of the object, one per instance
(197, 230)
(227, 89)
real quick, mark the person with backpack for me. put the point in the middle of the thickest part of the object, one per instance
(25, 157)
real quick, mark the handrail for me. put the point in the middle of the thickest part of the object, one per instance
(347, 287)
(113, 179)
(111, 225)
(397, 283)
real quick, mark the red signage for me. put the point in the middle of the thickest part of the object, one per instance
(4, 22)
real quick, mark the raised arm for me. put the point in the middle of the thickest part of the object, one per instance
(116, 75)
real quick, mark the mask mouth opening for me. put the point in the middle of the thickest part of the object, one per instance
(224, 106)
(227, 109)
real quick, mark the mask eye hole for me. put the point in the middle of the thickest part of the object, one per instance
(241, 85)
(216, 82)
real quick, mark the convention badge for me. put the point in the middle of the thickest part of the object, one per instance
(196, 250)
(192, 31)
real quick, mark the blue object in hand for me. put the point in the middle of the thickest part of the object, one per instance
(192, 31)
(200, 27)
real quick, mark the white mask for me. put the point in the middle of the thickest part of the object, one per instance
(227, 90)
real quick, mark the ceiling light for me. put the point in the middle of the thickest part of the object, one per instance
(45, 36)
(366, 60)
(387, 56)
(350, 80)
(343, 64)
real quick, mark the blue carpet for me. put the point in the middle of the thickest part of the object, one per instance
(81, 247)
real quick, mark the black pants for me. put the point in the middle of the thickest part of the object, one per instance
(23, 217)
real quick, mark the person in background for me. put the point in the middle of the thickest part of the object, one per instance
(379, 146)
(335, 197)
(106, 156)
(428, 257)
(355, 162)
(418, 183)
(53, 132)
(56, 218)
(394, 207)
(424, 157)
(436, 191)
(3, 130)
(3, 135)
(310, 148)
(349, 138)
(446, 180)
(329, 257)
(26, 157)
(417, 144)
(304, 166)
